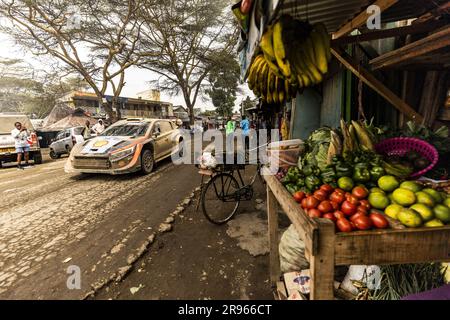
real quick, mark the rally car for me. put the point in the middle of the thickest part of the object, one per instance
(127, 146)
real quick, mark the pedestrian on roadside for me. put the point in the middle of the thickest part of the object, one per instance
(231, 126)
(99, 127)
(87, 130)
(20, 135)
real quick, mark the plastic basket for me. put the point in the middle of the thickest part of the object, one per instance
(402, 145)
(284, 154)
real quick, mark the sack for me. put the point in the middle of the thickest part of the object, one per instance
(292, 251)
(284, 154)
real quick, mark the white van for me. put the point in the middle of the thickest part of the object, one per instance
(7, 144)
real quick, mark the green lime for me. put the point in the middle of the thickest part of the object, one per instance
(388, 183)
(392, 210)
(434, 223)
(425, 198)
(346, 183)
(425, 212)
(442, 213)
(411, 185)
(378, 200)
(435, 194)
(410, 218)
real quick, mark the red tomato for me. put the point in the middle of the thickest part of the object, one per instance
(360, 192)
(312, 202)
(361, 208)
(348, 208)
(337, 197)
(298, 196)
(329, 216)
(344, 225)
(353, 226)
(246, 6)
(356, 215)
(320, 195)
(353, 200)
(379, 221)
(335, 205)
(303, 203)
(339, 214)
(325, 206)
(314, 213)
(365, 203)
(363, 222)
(327, 188)
(339, 190)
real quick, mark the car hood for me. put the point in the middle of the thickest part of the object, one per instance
(6, 140)
(103, 144)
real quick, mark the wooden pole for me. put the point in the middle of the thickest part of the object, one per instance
(272, 216)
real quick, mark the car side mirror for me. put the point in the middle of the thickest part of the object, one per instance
(156, 134)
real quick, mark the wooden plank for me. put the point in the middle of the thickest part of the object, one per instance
(442, 9)
(393, 246)
(322, 264)
(376, 85)
(306, 227)
(361, 18)
(433, 42)
(272, 216)
(387, 33)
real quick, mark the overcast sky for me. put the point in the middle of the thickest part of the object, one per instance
(137, 80)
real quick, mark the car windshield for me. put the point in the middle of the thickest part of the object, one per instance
(128, 130)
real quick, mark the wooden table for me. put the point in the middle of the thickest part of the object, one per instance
(325, 249)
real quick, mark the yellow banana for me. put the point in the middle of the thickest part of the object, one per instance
(322, 30)
(280, 50)
(320, 52)
(251, 78)
(262, 79)
(311, 68)
(275, 91)
(308, 47)
(266, 44)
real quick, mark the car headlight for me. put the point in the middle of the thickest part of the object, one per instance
(116, 156)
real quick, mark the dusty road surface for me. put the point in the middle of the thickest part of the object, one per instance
(50, 221)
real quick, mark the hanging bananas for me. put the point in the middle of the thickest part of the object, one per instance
(293, 55)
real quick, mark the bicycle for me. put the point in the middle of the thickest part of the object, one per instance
(221, 195)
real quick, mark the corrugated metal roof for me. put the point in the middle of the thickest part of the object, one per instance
(335, 13)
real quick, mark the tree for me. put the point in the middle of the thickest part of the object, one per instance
(247, 103)
(182, 40)
(224, 80)
(27, 90)
(96, 39)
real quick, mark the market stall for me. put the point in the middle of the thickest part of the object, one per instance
(361, 194)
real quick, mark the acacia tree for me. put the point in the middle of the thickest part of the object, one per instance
(97, 39)
(181, 41)
(224, 81)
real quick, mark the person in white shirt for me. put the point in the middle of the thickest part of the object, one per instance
(99, 127)
(20, 135)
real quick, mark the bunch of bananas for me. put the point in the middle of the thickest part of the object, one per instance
(293, 55)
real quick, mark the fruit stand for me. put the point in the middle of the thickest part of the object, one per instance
(326, 249)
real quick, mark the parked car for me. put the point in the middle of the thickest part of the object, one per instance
(7, 143)
(126, 146)
(65, 140)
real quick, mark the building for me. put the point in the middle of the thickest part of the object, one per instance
(129, 107)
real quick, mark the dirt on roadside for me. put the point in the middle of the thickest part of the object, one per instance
(199, 260)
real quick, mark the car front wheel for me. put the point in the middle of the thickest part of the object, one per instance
(147, 161)
(54, 155)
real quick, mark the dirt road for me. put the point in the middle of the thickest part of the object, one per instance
(50, 220)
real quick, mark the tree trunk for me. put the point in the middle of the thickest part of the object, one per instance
(107, 108)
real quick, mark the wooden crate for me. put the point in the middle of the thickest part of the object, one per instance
(325, 249)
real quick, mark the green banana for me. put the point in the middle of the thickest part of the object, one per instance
(320, 52)
(322, 30)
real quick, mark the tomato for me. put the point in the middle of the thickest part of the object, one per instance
(311, 202)
(329, 216)
(379, 221)
(314, 213)
(246, 6)
(303, 203)
(339, 190)
(353, 226)
(344, 225)
(298, 196)
(335, 205)
(320, 195)
(365, 203)
(361, 208)
(337, 197)
(352, 199)
(348, 208)
(356, 215)
(327, 188)
(339, 214)
(360, 192)
(325, 206)
(363, 222)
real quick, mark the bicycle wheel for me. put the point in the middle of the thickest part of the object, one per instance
(220, 200)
